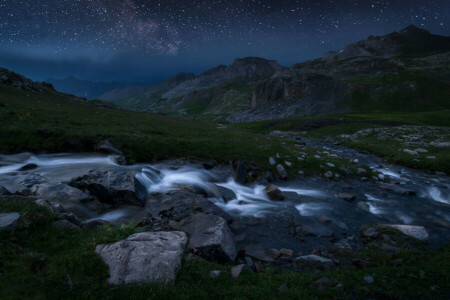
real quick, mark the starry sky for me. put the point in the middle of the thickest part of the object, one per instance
(144, 41)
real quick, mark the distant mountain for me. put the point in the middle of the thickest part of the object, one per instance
(408, 70)
(84, 88)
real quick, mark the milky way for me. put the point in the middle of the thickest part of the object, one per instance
(201, 32)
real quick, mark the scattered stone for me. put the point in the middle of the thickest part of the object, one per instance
(328, 174)
(412, 152)
(312, 258)
(288, 164)
(236, 270)
(274, 193)
(362, 264)
(9, 221)
(273, 253)
(272, 161)
(431, 157)
(415, 232)
(346, 196)
(368, 279)
(28, 167)
(211, 236)
(346, 170)
(286, 252)
(282, 172)
(421, 150)
(361, 171)
(369, 234)
(215, 273)
(64, 224)
(331, 165)
(317, 156)
(283, 287)
(144, 257)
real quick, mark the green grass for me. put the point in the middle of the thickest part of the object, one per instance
(37, 260)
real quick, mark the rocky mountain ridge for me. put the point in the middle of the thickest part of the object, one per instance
(12, 79)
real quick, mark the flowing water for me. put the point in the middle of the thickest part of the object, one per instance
(310, 216)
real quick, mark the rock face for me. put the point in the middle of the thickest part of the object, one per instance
(144, 257)
(415, 232)
(9, 221)
(15, 80)
(118, 186)
(210, 237)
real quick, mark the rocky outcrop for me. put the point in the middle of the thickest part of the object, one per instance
(113, 187)
(15, 80)
(210, 237)
(144, 257)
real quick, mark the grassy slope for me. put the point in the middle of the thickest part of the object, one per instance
(335, 125)
(37, 261)
(55, 123)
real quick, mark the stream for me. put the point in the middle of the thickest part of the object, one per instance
(311, 216)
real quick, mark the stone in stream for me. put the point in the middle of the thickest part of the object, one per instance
(108, 148)
(274, 193)
(241, 173)
(397, 189)
(113, 186)
(9, 221)
(225, 193)
(28, 167)
(364, 206)
(144, 257)
(210, 237)
(415, 232)
(282, 172)
(346, 196)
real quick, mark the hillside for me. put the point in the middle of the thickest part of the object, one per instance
(405, 71)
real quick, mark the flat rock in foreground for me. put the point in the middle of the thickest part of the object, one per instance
(144, 257)
(415, 232)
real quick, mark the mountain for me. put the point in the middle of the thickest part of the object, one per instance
(11, 79)
(406, 70)
(84, 88)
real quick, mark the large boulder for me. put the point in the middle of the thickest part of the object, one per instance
(274, 193)
(9, 221)
(210, 237)
(415, 232)
(144, 257)
(108, 148)
(113, 186)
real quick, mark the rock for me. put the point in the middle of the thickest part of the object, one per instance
(258, 266)
(113, 186)
(321, 282)
(415, 232)
(283, 287)
(313, 227)
(215, 273)
(28, 167)
(62, 194)
(72, 218)
(95, 224)
(108, 148)
(369, 234)
(346, 170)
(361, 171)
(288, 164)
(4, 191)
(328, 174)
(241, 173)
(249, 262)
(272, 161)
(286, 252)
(144, 257)
(346, 196)
(362, 264)
(64, 224)
(211, 236)
(412, 152)
(421, 150)
(282, 172)
(9, 221)
(236, 270)
(274, 193)
(315, 259)
(53, 207)
(225, 193)
(397, 189)
(364, 206)
(368, 279)
(431, 157)
(273, 253)
(339, 287)
(331, 165)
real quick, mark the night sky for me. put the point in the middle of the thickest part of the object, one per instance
(145, 41)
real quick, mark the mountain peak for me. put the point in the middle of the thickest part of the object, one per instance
(411, 29)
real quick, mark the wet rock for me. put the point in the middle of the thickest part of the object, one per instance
(65, 224)
(397, 189)
(236, 270)
(113, 186)
(282, 172)
(144, 257)
(315, 259)
(62, 194)
(272, 161)
(95, 224)
(28, 167)
(32, 180)
(211, 236)
(241, 173)
(225, 193)
(215, 273)
(362, 264)
(346, 196)
(108, 148)
(274, 193)
(4, 191)
(415, 232)
(9, 221)
(364, 206)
